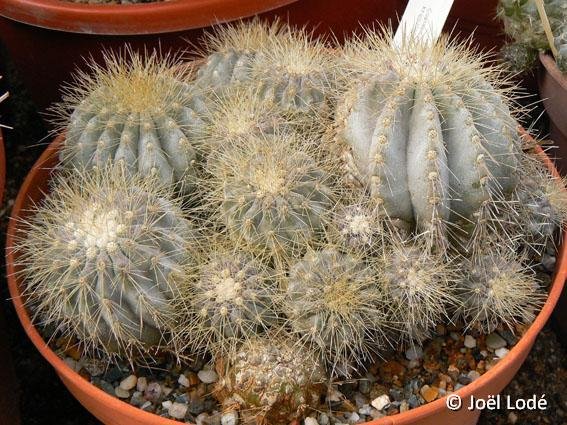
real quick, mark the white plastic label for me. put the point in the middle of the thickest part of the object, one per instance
(424, 19)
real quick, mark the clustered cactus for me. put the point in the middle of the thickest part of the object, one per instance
(524, 27)
(342, 202)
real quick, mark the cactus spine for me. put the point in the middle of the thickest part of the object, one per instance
(426, 131)
(134, 110)
(103, 257)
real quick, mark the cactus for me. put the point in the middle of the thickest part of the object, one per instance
(427, 130)
(232, 293)
(270, 192)
(518, 58)
(288, 66)
(418, 289)
(541, 204)
(561, 46)
(135, 110)
(523, 25)
(495, 290)
(332, 301)
(102, 258)
(272, 380)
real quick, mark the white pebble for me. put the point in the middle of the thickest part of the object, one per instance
(121, 392)
(365, 410)
(208, 376)
(177, 410)
(501, 352)
(353, 418)
(166, 391)
(229, 418)
(142, 384)
(473, 375)
(183, 381)
(72, 364)
(146, 405)
(129, 382)
(470, 342)
(381, 402)
(311, 421)
(166, 404)
(323, 419)
(202, 419)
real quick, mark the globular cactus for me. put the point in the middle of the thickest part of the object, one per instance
(271, 380)
(270, 192)
(134, 110)
(523, 25)
(333, 302)
(102, 258)
(497, 290)
(427, 131)
(518, 57)
(418, 287)
(233, 296)
(561, 46)
(289, 67)
(541, 204)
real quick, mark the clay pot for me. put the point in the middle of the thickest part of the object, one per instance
(112, 411)
(553, 91)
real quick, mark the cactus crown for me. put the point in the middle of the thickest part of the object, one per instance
(103, 257)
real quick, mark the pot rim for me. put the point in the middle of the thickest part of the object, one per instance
(132, 19)
(49, 157)
(551, 67)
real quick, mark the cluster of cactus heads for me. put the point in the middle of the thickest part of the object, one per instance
(523, 25)
(342, 200)
(103, 259)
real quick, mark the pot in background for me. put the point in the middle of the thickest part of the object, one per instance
(113, 411)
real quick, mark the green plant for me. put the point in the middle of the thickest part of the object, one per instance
(289, 67)
(333, 303)
(270, 191)
(233, 296)
(418, 287)
(135, 110)
(427, 129)
(523, 25)
(271, 380)
(102, 257)
(496, 289)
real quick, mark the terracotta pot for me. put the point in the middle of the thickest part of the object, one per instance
(112, 411)
(553, 91)
(47, 39)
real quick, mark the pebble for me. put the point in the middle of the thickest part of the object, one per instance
(166, 404)
(364, 386)
(324, 419)
(454, 336)
(413, 401)
(183, 381)
(153, 391)
(429, 393)
(311, 421)
(473, 375)
(512, 418)
(177, 410)
(501, 352)
(202, 419)
(453, 372)
(381, 402)
(470, 342)
(229, 418)
(464, 379)
(365, 410)
(414, 353)
(129, 382)
(495, 341)
(142, 384)
(404, 406)
(121, 392)
(208, 376)
(146, 405)
(137, 399)
(74, 365)
(353, 418)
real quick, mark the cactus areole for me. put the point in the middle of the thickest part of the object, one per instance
(427, 131)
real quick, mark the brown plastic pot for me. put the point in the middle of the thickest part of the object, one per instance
(112, 411)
